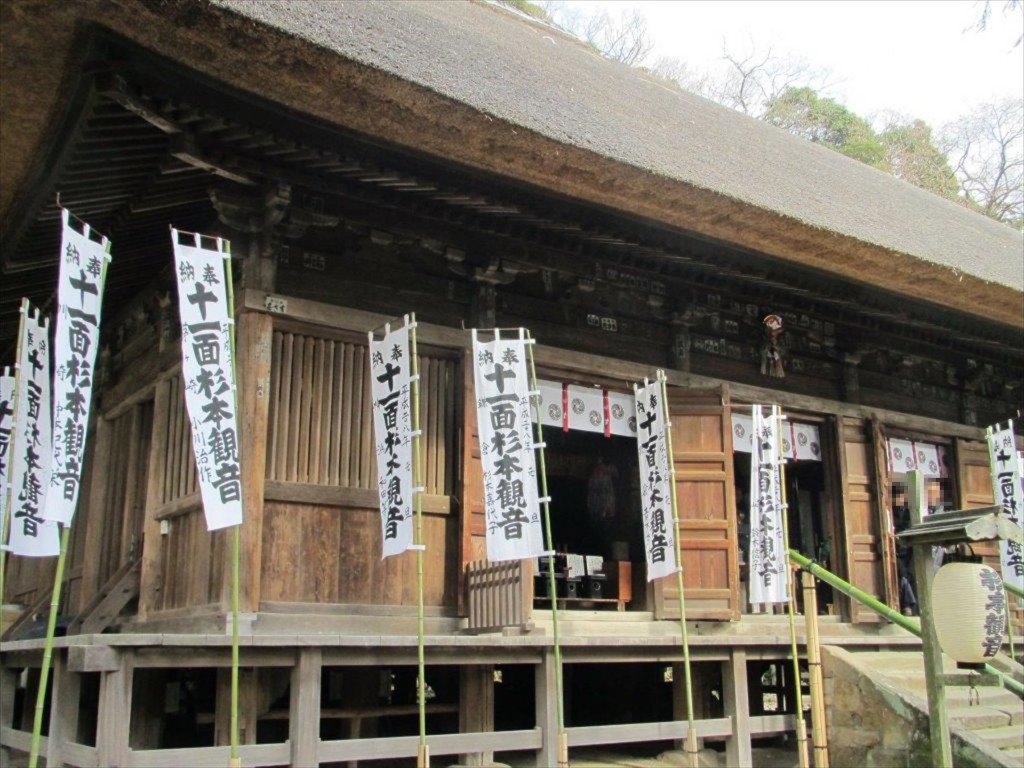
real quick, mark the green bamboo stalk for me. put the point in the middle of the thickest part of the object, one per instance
(882, 609)
(423, 759)
(563, 750)
(801, 725)
(236, 531)
(1014, 589)
(691, 733)
(51, 627)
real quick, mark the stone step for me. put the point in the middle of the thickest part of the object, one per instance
(988, 696)
(1017, 753)
(977, 718)
(1003, 737)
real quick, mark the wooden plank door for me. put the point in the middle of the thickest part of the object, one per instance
(861, 518)
(702, 453)
(886, 525)
(974, 489)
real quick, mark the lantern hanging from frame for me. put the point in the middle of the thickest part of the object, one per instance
(969, 610)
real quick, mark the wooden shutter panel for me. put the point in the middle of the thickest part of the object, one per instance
(861, 517)
(974, 486)
(702, 448)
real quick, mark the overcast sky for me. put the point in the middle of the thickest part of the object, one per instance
(922, 58)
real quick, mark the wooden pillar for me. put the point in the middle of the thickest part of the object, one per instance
(851, 377)
(476, 707)
(737, 707)
(484, 308)
(96, 521)
(64, 700)
(304, 709)
(114, 716)
(938, 722)
(546, 695)
(253, 346)
(151, 576)
(247, 702)
(682, 343)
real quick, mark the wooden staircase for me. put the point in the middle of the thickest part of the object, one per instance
(108, 602)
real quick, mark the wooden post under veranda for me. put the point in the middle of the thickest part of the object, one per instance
(819, 732)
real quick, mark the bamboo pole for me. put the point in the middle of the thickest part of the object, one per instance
(563, 741)
(234, 761)
(801, 725)
(691, 731)
(44, 670)
(423, 752)
(819, 732)
(6, 522)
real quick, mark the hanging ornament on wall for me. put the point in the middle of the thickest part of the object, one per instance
(771, 352)
(969, 607)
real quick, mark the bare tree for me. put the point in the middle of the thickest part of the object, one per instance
(986, 149)
(755, 79)
(680, 73)
(622, 38)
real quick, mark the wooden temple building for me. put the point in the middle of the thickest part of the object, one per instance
(480, 169)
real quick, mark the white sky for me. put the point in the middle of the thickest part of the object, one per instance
(922, 58)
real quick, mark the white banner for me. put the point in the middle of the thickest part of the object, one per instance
(30, 534)
(902, 456)
(622, 412)
(1006, 485)
(207, 365)
(586, 409)
(655, 482)
(505, 425)
(799, 441)
(928, 461)
(551, 413)
(806, 442)
(6, 430)
(769, 571)
(390, 369)
(742, 433)
(79, 305)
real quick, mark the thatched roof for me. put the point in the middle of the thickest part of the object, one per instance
(492, 92)
(531, 76)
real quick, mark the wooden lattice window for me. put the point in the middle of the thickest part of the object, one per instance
(320, 429)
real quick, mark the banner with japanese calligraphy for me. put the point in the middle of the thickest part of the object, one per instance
(79, 304)
(6, 430)
(392, 430)
(1006, 485)
(207, 366)
(30, 535)
(505, 426)
(769, 571)
(655, 482)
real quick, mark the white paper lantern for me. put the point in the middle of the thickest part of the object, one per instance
(969, 609)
